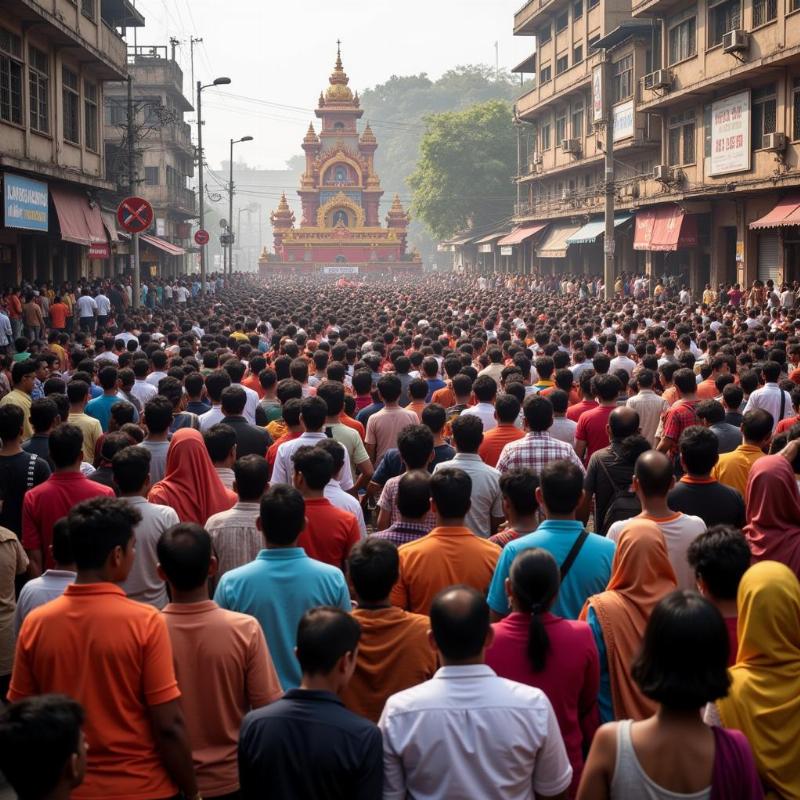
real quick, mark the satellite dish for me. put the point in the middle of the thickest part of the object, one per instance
(223, 223)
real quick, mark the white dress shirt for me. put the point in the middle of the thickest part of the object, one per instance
(467, 733)
(143, 390)
(211, 417)
(768, 397)
(341, 499)
(650, 407)
(283, 470)
(251, 405)
(485, 411)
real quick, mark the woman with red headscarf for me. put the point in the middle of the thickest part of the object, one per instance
(773, 512)
(190, 484)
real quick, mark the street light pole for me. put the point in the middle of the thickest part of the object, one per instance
(201, 188)
(230, 203)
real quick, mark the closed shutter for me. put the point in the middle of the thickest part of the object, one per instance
(768, 256)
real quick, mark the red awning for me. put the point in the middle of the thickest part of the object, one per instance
(161, 244)
(80, 222)
(664, 228)
(520, 234)
(787, 212)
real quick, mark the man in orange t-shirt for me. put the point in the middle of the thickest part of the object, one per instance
(113, 655)
(330, 532)
(506, 412)
(707, 389)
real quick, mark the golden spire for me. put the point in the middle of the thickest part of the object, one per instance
(311, 135)
(368, 137)
(338, 91)
(397, 206)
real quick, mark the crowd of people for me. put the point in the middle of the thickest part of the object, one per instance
(443, 537)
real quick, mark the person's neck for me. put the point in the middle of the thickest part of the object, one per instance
(549, 515)
(333, 420)
(140, 493)
(110, 392)
(373, 605)
(449, 522)
(608, 403)
(523, 522)
(11, 448)
(320, 683)
(467, 662)
(674, 716)
(197, 595)
(656, 507)
(157, 437)
(696, 477)
(688, 398)
(101, 575)
(312, 494)
(76, 409)
(395, 404)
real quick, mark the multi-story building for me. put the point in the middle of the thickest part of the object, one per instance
(705, 99)
(164, 154)
(55, 60)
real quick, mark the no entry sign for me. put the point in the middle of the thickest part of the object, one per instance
(201, 237)
(135, 214)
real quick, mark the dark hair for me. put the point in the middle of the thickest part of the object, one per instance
(645, 378)
(122, 412)
(315, 465)
(23, 368)
(460, 622)
(683, 663)
(216, 382)
(252, 476)
(757, 425)
(561, 483)
(66, 445)
(193, 383)
(158, 414)
(415, 443)
(219, 439)
(77, 391)
(771, 371)
(113, 443)
(434, 416)
(108, 377)
(519, 488)
(38, 735)
(559, 399)
(414, 495)
(418, 388)
(373, 566)
(684, 379)
(467, 432)
(485, 388)
(699, 450)
(131, 466)
(97, 526)
(451, 490)
(535, 581)
(314, 412)
(44, 412)
(538, 412)
(12, 421)
(506, 408)
(290, 411)
(62, 547)
(171, 388)
(720, 556)
(324, 635)
(184, 553)
(234, 399)
(335, 450)
(283, 514)
(333, 395)
(390, 388)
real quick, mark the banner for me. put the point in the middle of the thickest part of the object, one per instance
(598, 93)
(24, 203)
(340, 269)
(730, 134)
(623, 121)
(99, 250)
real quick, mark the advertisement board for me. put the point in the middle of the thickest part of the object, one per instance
(598, 93)
(623, 121)
(340, 269)
(24, 203)
(730, 134)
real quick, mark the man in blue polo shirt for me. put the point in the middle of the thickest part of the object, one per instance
(559, 493)
(282, 583)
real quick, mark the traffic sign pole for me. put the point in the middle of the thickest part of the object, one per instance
(136, 274)
(135, 215)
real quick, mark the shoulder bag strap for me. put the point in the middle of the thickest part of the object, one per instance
(614, 486)
(573, 553)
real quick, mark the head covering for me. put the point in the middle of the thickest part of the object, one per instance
(773, 512)
(641, 574)
(764, 698)
(190, 484)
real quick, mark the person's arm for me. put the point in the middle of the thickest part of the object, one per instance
(666, 444)
(261, 680)
(496, 598)
(372, 449)
(597, 772)
(31, 540)
(369, 781)
(552, 772)
(580, 449)
(172, 744)
(394, 774)
(384, 519)
(365, 471)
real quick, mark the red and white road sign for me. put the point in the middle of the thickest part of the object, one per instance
(135, 214)
(202, 236)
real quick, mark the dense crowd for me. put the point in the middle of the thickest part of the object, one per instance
(443, 537)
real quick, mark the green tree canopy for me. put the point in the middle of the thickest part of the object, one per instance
(464, 174)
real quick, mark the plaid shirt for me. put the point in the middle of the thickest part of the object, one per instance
(679, 417)
(403, 532)
(534, 451)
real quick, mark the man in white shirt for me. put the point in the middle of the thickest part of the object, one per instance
(235, 370)
(181, 294)
(648, 405)
(159, 361)
(485, 391)
(103, 307)
(472, 715)
(87, 311)
(770, 396)
(622, 361)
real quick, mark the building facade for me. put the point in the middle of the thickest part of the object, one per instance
(55, 63)
(705, 98)
(340, 231)
(164, 155)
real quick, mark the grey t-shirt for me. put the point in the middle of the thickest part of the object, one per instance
(158, 459)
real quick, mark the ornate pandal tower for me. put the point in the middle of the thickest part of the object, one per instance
(340, 231)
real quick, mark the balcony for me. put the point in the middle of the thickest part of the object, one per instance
(570, 80)
(179, 135)
(177, 199)
(525, 18)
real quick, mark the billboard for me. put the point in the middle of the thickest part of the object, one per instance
(623, 121)
(24, 203)
(598, 93)
(730, 134)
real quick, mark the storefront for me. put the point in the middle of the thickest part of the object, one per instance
(778, 235)
(520, 243)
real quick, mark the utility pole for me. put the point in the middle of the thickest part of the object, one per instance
(610, 192)
(230, 213)
(193, 40)
(173, 43)
(132, 190)
(201, 198)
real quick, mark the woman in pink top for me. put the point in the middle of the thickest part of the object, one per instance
(556, 655)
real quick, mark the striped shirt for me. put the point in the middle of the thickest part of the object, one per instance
(235, 537)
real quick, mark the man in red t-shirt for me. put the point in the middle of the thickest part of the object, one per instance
(330, 532)
(591, 434)
(587, 401)
(680, 415)
(46, 503)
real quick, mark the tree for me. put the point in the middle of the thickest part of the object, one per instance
(464, 175)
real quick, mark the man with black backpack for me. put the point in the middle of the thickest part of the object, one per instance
(610, 472)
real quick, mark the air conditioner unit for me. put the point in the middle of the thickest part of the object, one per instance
(735, 41)
(774, 141)
(660, 79)
(663, 173)
(571, 146)
(537, 158)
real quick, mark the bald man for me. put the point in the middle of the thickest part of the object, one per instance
(418, 723)
(653, 478)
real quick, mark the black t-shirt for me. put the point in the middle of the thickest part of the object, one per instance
(715, 503)
(597, 480)
(18, 473)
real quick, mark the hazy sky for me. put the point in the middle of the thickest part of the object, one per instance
(279, 53)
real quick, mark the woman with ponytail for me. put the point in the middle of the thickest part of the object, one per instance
(556, 655)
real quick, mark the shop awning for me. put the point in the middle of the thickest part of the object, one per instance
(664, 228)
(162, 244)
(520, 234)
(491, 237)
(597, 227)
(555, 244)
(79, 221)
(787, 212)
(110, 224)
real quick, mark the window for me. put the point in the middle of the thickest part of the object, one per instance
(796, 109)
(794, 5)
(723, 17)
(543, 35)
(577, 9)
(116, 111)
(577, 54)
(39, 90)
(10, 77)
(764, 11)
(592, 41)
(72, 105)
(593, 3)
(680, 138)
(151, 176)
(577, 121)
(546, 136)
(683, 40)
(87, 8)
(545, 74)
(562, 21)
(90, 115)
(562, 64)
(561, 128)
(623, 78)
(763, 115)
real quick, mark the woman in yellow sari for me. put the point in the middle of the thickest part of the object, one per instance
(764, 698)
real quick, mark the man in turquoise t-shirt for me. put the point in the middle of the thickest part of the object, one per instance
(559, 493)
(100, 407)
(282, 583)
